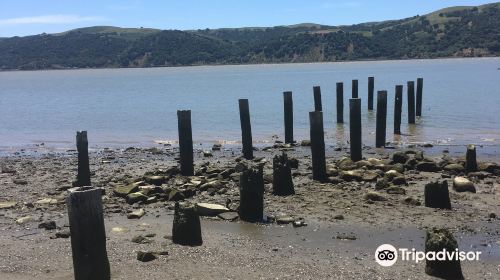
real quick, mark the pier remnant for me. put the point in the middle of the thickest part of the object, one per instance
(420, 85)
(317, 145)
(317, 99)
(88, 236)
(371, 87)
(437, 241)
(252, 195)
(246, 129)
(354, 88)
(355, 128)
(470, 159)
(288, 116)
(398, 105)
(411, 102)
(340, 102)
(185, 142)
(437, 195)
(82, 146)
(381, 118)
(186, 228)
(282, 176)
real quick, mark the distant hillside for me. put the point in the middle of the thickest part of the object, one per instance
(451, 32)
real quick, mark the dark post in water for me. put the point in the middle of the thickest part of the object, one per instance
(340, 102)
(88, 236)
(398, 106)
(411, 102)
(288, 109)
(371, 87)
(185, 142)
(317, 145)
(381, 118)
(355, 128)
(420, 85)
(246, 129)
(317, 99)
(354, 88)
(82, 146)
(251, 195)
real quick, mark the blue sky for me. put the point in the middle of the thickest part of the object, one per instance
(27, 17)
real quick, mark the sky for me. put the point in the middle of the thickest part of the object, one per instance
(29, 17)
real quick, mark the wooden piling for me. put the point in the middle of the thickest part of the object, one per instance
(354, 88)
(355, 128)
(186, 228)
(470, 159)
(288, 112)
(185, 142)
(82, 146)
(420, 85)
(398, 106)
(317, 99)
(340, 102)
(246, 129)
(317, 145)
(251, 195)
(371, 87)
(282, 176)
(437, 195)
(88, 235)
(411, 102)
(381, 118)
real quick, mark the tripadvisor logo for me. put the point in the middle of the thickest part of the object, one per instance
(387, 255)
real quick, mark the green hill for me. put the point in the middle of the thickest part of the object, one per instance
(450, 32)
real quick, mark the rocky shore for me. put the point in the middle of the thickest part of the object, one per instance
(325, 230)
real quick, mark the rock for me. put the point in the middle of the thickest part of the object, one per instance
(399, 157)
(391, 174)
(411, 201)
(283, 220)
(382, 184)
(437, 240)
(462, 184)
(305, 143)
(123, 191)
(207, 154)
(24, 220)
(454, 167)
(369, 176)
(20, 181)
(395, 190)
(209, 209)
(400, 168)
(374, 196)
(155, 180)
(437, 195)
(489, 167)
(145, 256)
(216, 147)
(229, 216)
(346, 163)
(137, 214)
(294, 163)
(480, 174)
(176, 195)
(151, 200)
(344, 236)
(63, 234)
(492, 216)
(46, 201)
(136, 197)
(7, 204)
(400, 180)
(140, 239)
(427, 166)
(299, 223)
(338, 217)
(331, 170)
(119, 230)
(351, 175)
(8, 170)
(50, 225)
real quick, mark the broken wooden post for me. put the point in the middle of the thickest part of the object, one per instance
(355, 128)
(381, 118)
(251, 195)
(354, 88)
(437, 195)
(371, 87)
(317, 99)
(246, 129)
(186, 228)
(317, 135)
(420, 85)
(82, 146)
(340, 102)
(470, 159)
(185, 142)
(411, 102)
(398, 106)
(288, 111)
(437, 241)
(88, 236)
(282, 176)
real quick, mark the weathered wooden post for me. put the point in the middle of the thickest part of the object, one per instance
(354, 88)
(437, 195)
(317, 135)
(355, 128)
(371, 87)
(282, 176)
(185, 142)
(381, 118)
(246, 129)
(340, 102)
(398, 106)
(88, 236)
(288, 111)
(186, 228)
(420, 85)
(251, 195)
(411, 102)
(82, 146)
(437, 241)
(317, 99)
(470, 159)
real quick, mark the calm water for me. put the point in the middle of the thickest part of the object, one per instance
(135, 107)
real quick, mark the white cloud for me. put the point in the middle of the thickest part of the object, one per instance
(48, 19)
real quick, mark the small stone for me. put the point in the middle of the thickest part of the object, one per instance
(338, 217)
(139, 239)
(305, 143)
(412, 201)
(391, 174)
(155, 180)
(7, 204)
(284, 220)
(24, 220)
(351, 175)
(210, 209)
(462, 184)
(454, 167)
(207, 154)
(123, 191)
(370, 176)
(382, 184)
(294, 163)
(299, 223)
(119, 230)
(344, 236)
(400, 180)
(145, 256)
(374, 196)
(176, 195)
(427, 166)
(137, 214)
(216, 147)
(228, 216)
(63, 234)
(46, 201)
(50, 225)
(395, 190)
(492, 216)
(20, 182)
(136, 197)
(399, 157)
